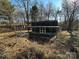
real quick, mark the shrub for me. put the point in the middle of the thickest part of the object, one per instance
(30, 53)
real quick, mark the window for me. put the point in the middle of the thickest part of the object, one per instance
(42, 30)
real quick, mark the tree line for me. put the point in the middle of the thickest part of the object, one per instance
(34, 10)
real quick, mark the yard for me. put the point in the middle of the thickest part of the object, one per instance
(13, 47)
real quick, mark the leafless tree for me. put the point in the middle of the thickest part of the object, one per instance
(24, 6)
(70, 9)
(41, 11)
(49, 9)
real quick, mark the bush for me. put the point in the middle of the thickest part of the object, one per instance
(30, 53)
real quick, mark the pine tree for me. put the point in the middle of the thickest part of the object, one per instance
(6, 9)
(34, 13)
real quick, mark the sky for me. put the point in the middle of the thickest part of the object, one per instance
(57, 3)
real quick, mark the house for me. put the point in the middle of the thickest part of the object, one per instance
(44, 29)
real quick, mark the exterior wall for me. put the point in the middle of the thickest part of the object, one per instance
(45, 23)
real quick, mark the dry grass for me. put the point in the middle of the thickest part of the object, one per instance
(63, 36)
(15, 46)
(10, 34)
(20, 47)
